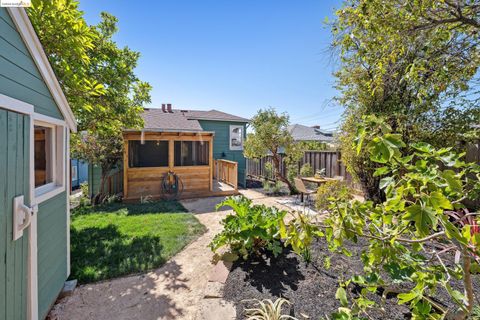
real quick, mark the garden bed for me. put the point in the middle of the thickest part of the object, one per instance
(309, 287)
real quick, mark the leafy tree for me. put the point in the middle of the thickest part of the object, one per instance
(97, 77)
(405, 60)
(270, 136)
(413, 233)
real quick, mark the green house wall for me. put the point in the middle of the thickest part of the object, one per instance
(19, 76)
(221, 144)
(20, 79)
(52, 251)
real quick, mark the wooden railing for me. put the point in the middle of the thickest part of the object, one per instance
(226, 171)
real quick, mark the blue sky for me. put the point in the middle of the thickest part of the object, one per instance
(234, 56)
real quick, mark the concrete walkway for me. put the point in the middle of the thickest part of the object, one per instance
(173, 291)
(170, 292)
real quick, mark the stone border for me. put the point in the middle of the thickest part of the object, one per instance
(213, 306)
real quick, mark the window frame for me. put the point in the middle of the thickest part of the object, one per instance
(129, 164)
(194, 165)
(56, 154)
(232, 147)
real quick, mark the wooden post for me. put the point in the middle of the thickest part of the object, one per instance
(171, 150)
(212, 165)
(125, 168)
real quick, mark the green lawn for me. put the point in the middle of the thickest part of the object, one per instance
(117, 239)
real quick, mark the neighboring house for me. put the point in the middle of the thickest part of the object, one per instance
(78, 172)
(35, 125)
(202, 148)
(304, 133)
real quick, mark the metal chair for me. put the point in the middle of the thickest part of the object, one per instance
(300, 186)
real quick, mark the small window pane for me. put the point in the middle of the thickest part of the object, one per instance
(150, 153)
(236, 137)
(191, 153)
(43, 161)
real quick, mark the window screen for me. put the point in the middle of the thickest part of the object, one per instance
(150, 153)
(191, 153)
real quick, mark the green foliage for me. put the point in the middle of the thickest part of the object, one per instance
(268, 169)
(96, 76)
(268, 310)
(420, 183)
(405, 61)
(85, 197)
(331, 191)
(272, 187)
(312, 145)
(251, 229)
(306, 170)
(269, 135)
(299, 233)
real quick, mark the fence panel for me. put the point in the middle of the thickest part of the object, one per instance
(330, 161)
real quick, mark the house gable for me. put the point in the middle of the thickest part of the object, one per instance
(25, 73)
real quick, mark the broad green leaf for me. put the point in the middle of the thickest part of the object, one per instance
(423, 147)
(407, 297)
(381, 171)
(439, 201)
(454, 183)
(341, 295)
(385, 182)
(423, 217)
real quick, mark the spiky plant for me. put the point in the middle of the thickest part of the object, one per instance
(268, 310)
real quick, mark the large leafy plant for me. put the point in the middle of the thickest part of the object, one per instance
(250, 229)
(414, 235)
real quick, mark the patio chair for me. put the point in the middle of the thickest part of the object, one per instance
(305, 193)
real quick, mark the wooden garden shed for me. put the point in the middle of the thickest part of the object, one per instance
(176, 142)
(35, 124)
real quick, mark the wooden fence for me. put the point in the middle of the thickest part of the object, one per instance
(330, 161)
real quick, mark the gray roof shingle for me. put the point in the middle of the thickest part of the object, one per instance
(303, 133)
(183, 120)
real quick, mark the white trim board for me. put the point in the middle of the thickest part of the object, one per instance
(12, 104)
(30, 38)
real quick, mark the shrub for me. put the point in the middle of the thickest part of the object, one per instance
(85, 198)
(334, 190)
(268, 170)
(424, 189)
(306, 170)
(250, 229)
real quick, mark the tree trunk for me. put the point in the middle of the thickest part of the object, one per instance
(278, 174)
(100, 196)
(467, 281)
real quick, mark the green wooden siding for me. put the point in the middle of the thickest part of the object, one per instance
(52, 251)
(19, 76)
(94, 178)
(221, 144)
(20, 79)
(113, 182)
(14, 181)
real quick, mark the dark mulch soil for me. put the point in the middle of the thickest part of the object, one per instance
(310, 288)
(254, 184)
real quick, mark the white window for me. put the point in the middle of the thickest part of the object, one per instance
(48, 159)
(236, 137)
(74, 173)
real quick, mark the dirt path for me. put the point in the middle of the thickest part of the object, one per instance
(170, 292)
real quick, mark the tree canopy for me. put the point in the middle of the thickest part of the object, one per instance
(97, 76)
(270, 137)
(413, 62)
